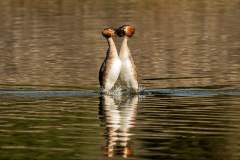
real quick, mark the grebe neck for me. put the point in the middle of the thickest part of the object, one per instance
(112, 51)
(124, 51)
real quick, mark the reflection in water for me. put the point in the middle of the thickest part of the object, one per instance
(118, 120)
(172, 126)
(57, 45)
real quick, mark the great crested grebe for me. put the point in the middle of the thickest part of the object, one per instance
(110, 69)
(128, 73)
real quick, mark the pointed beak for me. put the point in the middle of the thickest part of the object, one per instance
(118, 30)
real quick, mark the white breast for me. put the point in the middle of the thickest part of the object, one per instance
(127, 75)
(113, 73)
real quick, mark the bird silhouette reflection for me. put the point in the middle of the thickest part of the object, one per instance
(118, 117)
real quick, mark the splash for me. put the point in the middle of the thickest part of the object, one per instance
(141, 90)
(115, 91)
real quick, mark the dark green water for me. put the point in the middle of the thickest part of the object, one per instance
(164, 124)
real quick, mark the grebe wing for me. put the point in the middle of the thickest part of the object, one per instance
(102, 73)
(135, 72)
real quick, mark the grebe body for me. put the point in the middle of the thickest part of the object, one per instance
(128, 73)
(110, 69)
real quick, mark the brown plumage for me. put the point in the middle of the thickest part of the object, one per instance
(128, 74)
(125, 30)
(109, 32)
(104, 72)
(111, 66)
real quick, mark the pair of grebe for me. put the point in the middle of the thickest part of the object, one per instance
(114, 65)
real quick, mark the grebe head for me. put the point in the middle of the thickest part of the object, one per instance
(109, 32)
(125, 30)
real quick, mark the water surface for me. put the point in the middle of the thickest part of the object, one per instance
(187, 57)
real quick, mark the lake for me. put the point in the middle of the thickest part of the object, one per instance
(188, 62)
